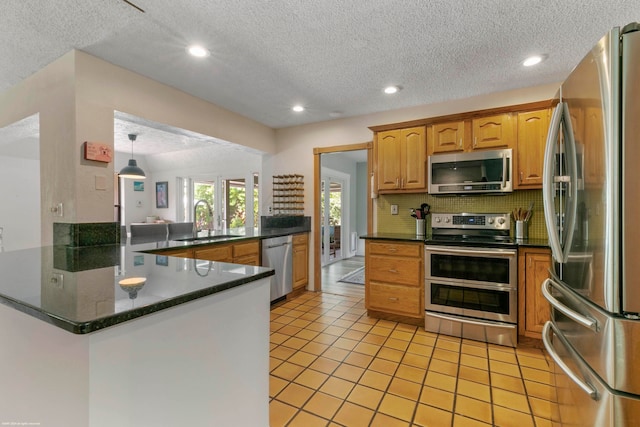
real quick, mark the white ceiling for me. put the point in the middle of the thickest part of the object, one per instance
(333, 56)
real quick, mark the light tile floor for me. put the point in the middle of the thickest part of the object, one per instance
(331, 365)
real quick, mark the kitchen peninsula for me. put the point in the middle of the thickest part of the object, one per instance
(85, 345)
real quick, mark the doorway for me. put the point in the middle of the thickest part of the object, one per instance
(342, 213)
(333, 213)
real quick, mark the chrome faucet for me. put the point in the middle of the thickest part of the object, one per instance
(195, 222)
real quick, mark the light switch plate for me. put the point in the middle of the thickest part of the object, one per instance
(394, 209)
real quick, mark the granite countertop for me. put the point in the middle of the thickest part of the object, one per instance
(411, 237)
(78, 289)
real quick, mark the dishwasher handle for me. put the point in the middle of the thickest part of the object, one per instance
(277, 246)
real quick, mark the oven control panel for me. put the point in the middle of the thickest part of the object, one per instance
(485, 221)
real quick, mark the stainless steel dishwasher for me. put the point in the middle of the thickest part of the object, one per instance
(277, 253)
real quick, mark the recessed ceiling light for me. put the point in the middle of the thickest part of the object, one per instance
(533, 60)
(298, 108)
(198, 51)
(389, 90)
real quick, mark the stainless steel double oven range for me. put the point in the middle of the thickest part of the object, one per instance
(471, 278)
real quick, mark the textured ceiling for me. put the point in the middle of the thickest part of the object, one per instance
(333, 56)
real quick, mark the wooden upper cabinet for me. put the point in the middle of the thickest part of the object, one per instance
(447, 137)
(533, 127)
(401, 157)
(493, 132)
(413, 158)
(388, 160)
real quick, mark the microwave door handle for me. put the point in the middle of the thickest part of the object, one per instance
(548, 186)
(505, 159)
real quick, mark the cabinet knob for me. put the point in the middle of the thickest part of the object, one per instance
(393, 299)
(460, 143)
(521, 177)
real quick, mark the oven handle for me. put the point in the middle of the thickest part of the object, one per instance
(576, 317)
(494, 286)
(501, 253)
(471, 322)
(549, 329)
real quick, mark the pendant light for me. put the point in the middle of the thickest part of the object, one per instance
(132, 170)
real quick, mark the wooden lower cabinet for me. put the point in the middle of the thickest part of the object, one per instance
(394, 278)
(245, 252)
(300, 261)
(182, 252)
(533, 308)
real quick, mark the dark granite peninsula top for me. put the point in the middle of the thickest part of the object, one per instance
(82, 290)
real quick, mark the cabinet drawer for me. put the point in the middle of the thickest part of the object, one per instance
(300, 239)
(184, 253)
(398, 270)
(248, 248)
(394, 298)
(398, 249)
(215, 253)
(247, 260)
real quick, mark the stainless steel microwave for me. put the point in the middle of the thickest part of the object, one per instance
(478, 172)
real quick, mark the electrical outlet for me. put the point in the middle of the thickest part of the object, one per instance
(394, 209)
(270, 209)
(57, 210)
(57, 280)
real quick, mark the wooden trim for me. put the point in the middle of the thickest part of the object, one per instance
(316, 220)
(417, 321)
(539, 105)
(341, 148)
(317, 248)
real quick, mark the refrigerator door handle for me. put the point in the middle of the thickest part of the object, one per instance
(576, 317)
(548, 186)
(547, 330)
(572, 160)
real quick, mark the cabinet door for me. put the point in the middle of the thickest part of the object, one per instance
(447, 137)
(532, 136)
(183, 253)
(300, 266)
(221, 253)
(413, 158)
(537, 310)
(493, 132)
(388, 160)
(246, 248)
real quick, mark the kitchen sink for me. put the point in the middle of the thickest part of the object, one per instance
(216, 237)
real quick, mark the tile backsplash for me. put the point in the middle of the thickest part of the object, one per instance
(404, 223)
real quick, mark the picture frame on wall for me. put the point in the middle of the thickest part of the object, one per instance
(138, 185)
(162, 194)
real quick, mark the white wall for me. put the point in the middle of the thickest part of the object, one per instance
(20, 203)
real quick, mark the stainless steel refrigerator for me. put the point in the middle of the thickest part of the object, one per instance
(591, 190)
